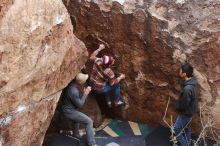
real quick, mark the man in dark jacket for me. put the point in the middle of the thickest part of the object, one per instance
(186, 106)
(72, 100)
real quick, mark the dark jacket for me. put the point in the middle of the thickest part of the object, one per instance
(187, 103)
(72, 98)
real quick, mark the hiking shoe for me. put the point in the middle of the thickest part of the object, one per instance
(119, 103)
(109, 103)
(71, 133)
(78, 136)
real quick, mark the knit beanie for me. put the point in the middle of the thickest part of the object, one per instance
(81, 78)
(107, 60)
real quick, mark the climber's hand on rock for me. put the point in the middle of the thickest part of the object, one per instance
(101, 47)
(122, 76)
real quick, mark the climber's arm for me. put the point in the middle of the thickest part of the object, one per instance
(96, 52)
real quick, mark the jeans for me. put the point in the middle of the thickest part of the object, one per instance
(79, 117)
(107, 89)
(183, 138)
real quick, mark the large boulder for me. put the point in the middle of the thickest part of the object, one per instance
(39, 55)
(149, 41)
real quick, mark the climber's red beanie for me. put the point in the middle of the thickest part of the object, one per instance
(107, 60)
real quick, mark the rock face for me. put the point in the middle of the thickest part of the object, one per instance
(39, 55)
(150, 40)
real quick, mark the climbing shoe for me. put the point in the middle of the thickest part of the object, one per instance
(109, 103)
(119, 103)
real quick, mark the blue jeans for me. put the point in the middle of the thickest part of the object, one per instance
(78, 118)
(107, 89)
(183, 138)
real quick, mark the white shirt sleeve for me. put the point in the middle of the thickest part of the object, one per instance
(98, 61)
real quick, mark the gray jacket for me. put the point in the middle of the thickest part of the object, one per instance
(72, 98)
(187, 103)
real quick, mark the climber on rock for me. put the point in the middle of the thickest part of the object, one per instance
(73, 98)
(103, 79)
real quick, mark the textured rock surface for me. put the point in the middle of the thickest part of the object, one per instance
(39, 55)
(149, 40)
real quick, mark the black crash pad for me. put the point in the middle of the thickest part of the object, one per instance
(65, 140)
(121, 141)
